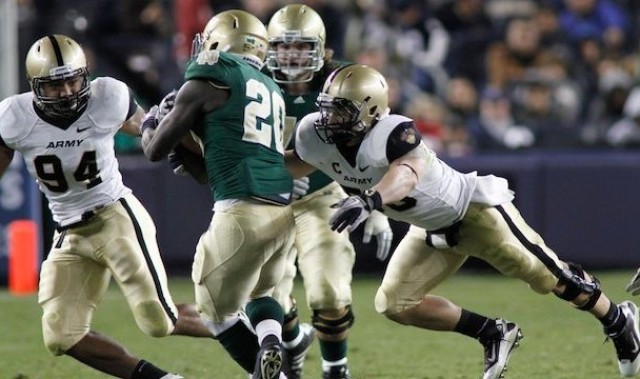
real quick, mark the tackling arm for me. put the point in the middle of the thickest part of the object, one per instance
(296, 166)
(403, 175)
(132, 125)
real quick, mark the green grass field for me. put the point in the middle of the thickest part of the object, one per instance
(559, 343)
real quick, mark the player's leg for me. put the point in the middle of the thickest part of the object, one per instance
(238, 261)
(413, 271)
(522, 253)
(325, 261)
(131, 252)
(71, 286)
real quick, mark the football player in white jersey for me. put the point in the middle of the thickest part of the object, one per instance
(64, 128)
(298, 61)
(380, 159)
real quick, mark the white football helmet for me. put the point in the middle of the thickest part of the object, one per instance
(57, 58)
(352, 100)
(234, 31)
(299, 25)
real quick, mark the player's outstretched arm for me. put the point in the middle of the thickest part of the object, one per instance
(296, 166)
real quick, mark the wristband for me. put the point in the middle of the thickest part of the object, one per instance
(372, 198)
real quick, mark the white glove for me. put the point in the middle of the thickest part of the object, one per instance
(634, 285)
(166, 105)
(352, 211)
(377, 224)
(300, 187)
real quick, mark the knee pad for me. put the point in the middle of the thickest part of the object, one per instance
(333, 327)
(153, 320)
(57, 341)
(576, 283)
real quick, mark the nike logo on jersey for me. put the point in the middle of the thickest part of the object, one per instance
(59, 144)
(80, 130)
(299, 100)
(363, 169)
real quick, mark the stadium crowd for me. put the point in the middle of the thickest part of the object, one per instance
(477, 75)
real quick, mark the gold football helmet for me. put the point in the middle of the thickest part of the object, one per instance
(234, 31)
(352, 100)
(58, 58)
(297, 25)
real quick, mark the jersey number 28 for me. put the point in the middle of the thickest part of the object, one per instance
(264, 106)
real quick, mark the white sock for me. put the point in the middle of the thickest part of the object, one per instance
(267, 327)
(326, 365)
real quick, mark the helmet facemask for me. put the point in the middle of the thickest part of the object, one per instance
(62, 106)
(339, 121)
(294, 58)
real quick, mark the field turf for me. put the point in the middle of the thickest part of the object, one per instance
(559, 342)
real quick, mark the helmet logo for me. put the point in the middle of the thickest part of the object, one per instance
(290, 36)
(61, 70)
(209, 57)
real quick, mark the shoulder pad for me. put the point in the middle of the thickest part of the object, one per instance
(17, 117)
(109, 103)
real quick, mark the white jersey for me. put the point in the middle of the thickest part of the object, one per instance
(438, 200)
(76, 168)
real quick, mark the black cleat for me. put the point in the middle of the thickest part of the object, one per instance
(294, 357)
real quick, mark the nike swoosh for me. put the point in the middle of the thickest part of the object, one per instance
(363, 169)
(82, 130)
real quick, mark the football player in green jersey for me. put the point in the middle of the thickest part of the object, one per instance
(298, 61)
(237, 114)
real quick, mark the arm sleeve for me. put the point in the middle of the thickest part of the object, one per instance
(133, 105)
(404, 138)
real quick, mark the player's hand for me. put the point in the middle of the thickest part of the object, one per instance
(176, 163)
(150, 119)
(378, 225)
(166, 105)
(300, 187)
(634, 285)
(351, 212)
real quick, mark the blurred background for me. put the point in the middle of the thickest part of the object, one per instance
(544, 93)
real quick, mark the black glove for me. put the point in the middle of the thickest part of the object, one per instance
(353, 210)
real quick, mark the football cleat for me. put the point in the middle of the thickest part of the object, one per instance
(337, 372)
(269, 362)
(294, 356)
(627, 342)
(172, 376)
(498, 350)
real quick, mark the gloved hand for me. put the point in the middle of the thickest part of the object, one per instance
(150, 119)
(300, 187)
(166, 105)
(377, 224)
(634, 285)
(353, 210)
(176, 163)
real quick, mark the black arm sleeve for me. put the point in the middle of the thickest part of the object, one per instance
(404, 138)
(2, 143)
(133, 105)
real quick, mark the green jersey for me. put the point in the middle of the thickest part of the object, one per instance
(243, 147)
(298, 106)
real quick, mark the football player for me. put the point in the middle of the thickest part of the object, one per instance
(299, 63)
(383, 161)
(237, 113)
(64, 128)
